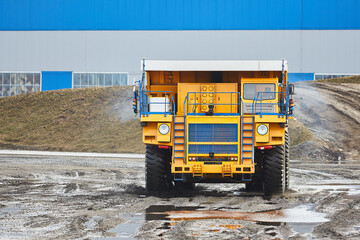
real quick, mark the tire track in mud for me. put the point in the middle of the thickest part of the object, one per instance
(338, 88)
(348, 98)
(345, 97)
(341, 94)
(331, 112)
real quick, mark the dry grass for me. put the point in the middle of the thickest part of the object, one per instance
(85, 120)
(91, 120)
(351, 79)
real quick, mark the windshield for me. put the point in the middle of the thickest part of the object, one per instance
(251, 91)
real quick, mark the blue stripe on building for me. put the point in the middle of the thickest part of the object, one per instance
(179, 14)
(55, 80)
(297, 77)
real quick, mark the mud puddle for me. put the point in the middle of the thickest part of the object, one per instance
(128, 229)
(350, 187)
(9, 210)
(301, 218)
(303, 213)
(90, 225)
(134, 221)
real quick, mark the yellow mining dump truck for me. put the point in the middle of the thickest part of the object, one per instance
(215, 122)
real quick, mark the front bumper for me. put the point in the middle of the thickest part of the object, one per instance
(225, 169)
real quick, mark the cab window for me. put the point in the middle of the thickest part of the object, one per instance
(251, 90)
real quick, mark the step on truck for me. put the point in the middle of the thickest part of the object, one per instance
(215, 122)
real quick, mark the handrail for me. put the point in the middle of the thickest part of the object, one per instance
(185, 101)
(144, 103)
(239, 104)
(283, 105)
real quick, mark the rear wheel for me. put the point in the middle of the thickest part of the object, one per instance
(158, 169)
(287, 160)
(274, 170)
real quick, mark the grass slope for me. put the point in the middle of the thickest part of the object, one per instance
(351, 79)
(93, 120)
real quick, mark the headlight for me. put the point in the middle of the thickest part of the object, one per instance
(262, 129)
(164, 129)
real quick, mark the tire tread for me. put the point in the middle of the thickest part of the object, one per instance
(274, 171)
(157, 164)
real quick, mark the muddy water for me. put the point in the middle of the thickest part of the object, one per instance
(301, 218)
(128, 229)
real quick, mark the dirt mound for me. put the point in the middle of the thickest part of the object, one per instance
(89, 120)
(305, 145)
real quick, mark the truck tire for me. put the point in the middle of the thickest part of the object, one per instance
(287, 160)
(184, 186)
(256, 185)
(274, 170)
(158, 169)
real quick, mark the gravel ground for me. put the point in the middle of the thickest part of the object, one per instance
(104, 198)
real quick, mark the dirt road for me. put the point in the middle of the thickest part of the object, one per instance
(44, 197)
(331, 112)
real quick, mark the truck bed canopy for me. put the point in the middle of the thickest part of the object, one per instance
(212, 65)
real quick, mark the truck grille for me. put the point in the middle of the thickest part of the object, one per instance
(216, 149)
(223, 133)
(213, 132)
(264, 108)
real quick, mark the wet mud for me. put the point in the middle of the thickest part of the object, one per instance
(99, 198)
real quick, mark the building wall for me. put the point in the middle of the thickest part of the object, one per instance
(307, 51)
(30, 15)
(113, 35)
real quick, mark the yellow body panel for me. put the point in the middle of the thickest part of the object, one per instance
(205, 95)
(262, 138)
(156, 118)
(153, 137)
(166, 137)
(213, 119)
(201, 168)
(150, 129)
(270, 118)
(276, 136)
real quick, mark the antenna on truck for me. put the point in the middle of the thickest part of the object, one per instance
(283, 71)
(136, 96)
(282, 96)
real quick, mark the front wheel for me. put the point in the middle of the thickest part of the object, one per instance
(158, 169)
(287, 160)
(274, 170)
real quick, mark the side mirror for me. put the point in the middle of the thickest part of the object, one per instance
(135, 107)
(291, 88)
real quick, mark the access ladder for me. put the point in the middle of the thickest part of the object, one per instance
(247, 141)
(179, 140)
